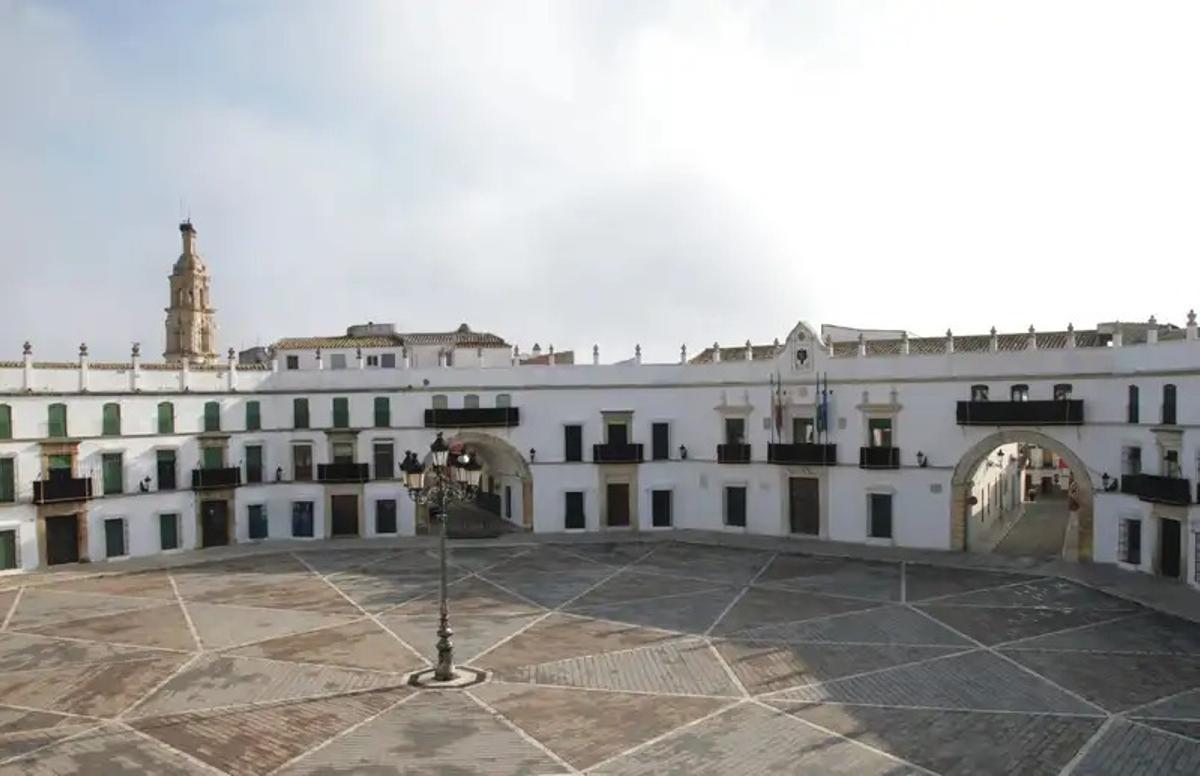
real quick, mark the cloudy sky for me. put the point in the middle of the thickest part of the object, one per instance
(604, 172)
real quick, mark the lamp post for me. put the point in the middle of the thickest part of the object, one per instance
(453, 477)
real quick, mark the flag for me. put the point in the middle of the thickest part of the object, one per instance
(777, 405)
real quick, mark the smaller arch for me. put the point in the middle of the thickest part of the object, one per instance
(471, 401)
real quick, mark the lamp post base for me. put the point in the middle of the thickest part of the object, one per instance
(463, 677)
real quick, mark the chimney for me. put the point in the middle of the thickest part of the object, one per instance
(994, 342)
(1152, 331)
(319, 365)
(1191, 325)
(27, 366)
(83, 367)
(135, 369)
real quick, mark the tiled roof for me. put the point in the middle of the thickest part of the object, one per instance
(565, 358)
(760, 353)
(312, 343)
(973, 343)
(460, 338)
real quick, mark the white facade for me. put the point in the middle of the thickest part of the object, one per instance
(916, 383)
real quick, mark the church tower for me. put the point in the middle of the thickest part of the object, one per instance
(191, 323)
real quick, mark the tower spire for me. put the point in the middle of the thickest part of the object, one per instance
(191, 322)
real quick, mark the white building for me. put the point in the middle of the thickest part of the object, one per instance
(126, 459)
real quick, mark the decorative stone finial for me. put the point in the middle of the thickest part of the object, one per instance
(716, 353)
(949, 341)
(993, 331)
(27, 349)
(862, 344)
(1031, 331)
(595, 354)
(637, 350)
(551, 350)
(136, 350)
(1191, 318)
(83, 350)
(1070, 327)
(358, 352)
(231, 356)
(683, 353)
(318, 354)
(1153, 321)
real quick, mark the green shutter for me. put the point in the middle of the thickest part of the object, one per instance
(212, 416)
(114, 538)
(8, 486)
(57, 417)
(253, 420)
(166, 418)
(113, 472)
(383, 412)
(112, 420)
(300, 413)
(341, 412)
(8, 550)
(213, 458)
(168, 531)
(60, 461)
(5, 421)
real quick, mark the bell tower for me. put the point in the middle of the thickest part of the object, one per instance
(191, 327)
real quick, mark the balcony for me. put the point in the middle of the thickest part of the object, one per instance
(1064, 412)
(59, 489)
(803, 454)
(343, 472)
(733, 453)
(1159, 490)
(211, 479)
(474, 417)
(617, 453)
(879, 457)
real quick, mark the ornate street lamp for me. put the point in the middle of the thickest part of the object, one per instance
(452, 478)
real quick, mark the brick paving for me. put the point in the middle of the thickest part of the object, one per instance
(660, 657)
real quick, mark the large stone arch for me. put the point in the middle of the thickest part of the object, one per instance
(1080, 526)
(499, 458)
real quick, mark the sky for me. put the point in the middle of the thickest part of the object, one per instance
(611, 173)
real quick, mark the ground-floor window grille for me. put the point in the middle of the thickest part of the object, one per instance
(1129, 543)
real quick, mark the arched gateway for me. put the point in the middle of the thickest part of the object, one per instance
(507, 480)
(1078, 544)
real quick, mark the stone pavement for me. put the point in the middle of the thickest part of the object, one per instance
(1038, 532)
(660, 657)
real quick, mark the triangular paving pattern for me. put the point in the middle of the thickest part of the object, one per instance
(163, 626)
(100, 689)
(1114, 682)
(19, 742)
(885, 625)
(43, 607)
(630, 585)
(473, 633)
(471, 595)
(549, 588)
(977, 680)
(760, 606)
(612, 554)
(1183, 706)
(222, 626)
(685, 667)
(443, 732)
(223, 680)
(107, 750)
(962, 742)
(269, 591)
(726, 566)
(766, 667)
(692, 613)
(1189, 728)
(538, 560)
(26, 651)
(414, 561)
(259, 740)
(922, 581)
(865, 579)
(1046, 593)
(142, 584)
(561, 636)
(585, 728)
(333, 561)
(14, 720)
(1129, 748)
(1153, 632)
(375, 592)
(362, 644)
(996, 625)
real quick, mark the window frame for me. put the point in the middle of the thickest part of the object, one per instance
(16, 541)
(395, 516)
(341, 412)
(665, 428)
(1018, 392)
(263, 520)
(311, 516)
(308, 476)
(158, 463)
(300, 409)
(655, 522)
(383, 411)
(12, 479)
(980, 392)
(568, 455)
(569, 514)
(727, 490)
(6, 429)
(50, 421)
(212, 416)
(262, 462)
(871, 516)
(337, 361)
(291, 362)
(375, 447)
(169, 426)
(1170, 407)
(175, 519)
(124, 526)
(1125, 545)
(253, 415)
(110, 419)
(119, 483)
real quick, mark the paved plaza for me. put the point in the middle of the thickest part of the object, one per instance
(619, 658)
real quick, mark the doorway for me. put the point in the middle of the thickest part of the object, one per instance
(62, 539)
(214, 523)
(1170, 536)
(618, 504)
(345, 515)
(804, 505)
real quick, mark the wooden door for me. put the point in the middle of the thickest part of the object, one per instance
(804, 500)
(345, 515)
(618, 504)
(62, 539)
(214, 523)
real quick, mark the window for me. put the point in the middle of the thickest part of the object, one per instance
(166, 417)
(372, 360)
(1133, 406)
(383, 412)
(168, 531)
(254, 463)
(8, 550)
(302, 463)
(735, 431)
(57, 420)
(114, 537)
(508, 501)
(293, 362)
(618, 434)
(300, 413)
(212, 416)
(471, 401)
(449, 358)
(1129, 548)
(1062, 391)
(1171, 467)
(504, 400)
(1019, 392)
(1168, 405)
(5, 421)
(385, 516)
(337, 361)
(1131, 460)
(256, 521)
(113, 473)
(111, 425)
(302, 518)
(574, 517)
(979, 393)
(385, 460)
(165, 464)
(341, 412)
(8, 482)
(388, 361)
(735, 505)
(343, 452)
(879, 432)
(61, 465)
(440, 402)
(660, 441)
(253, 416)
(804, 431)
(879, 521)
(573, 443)
(660, 508)
(212, 457)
